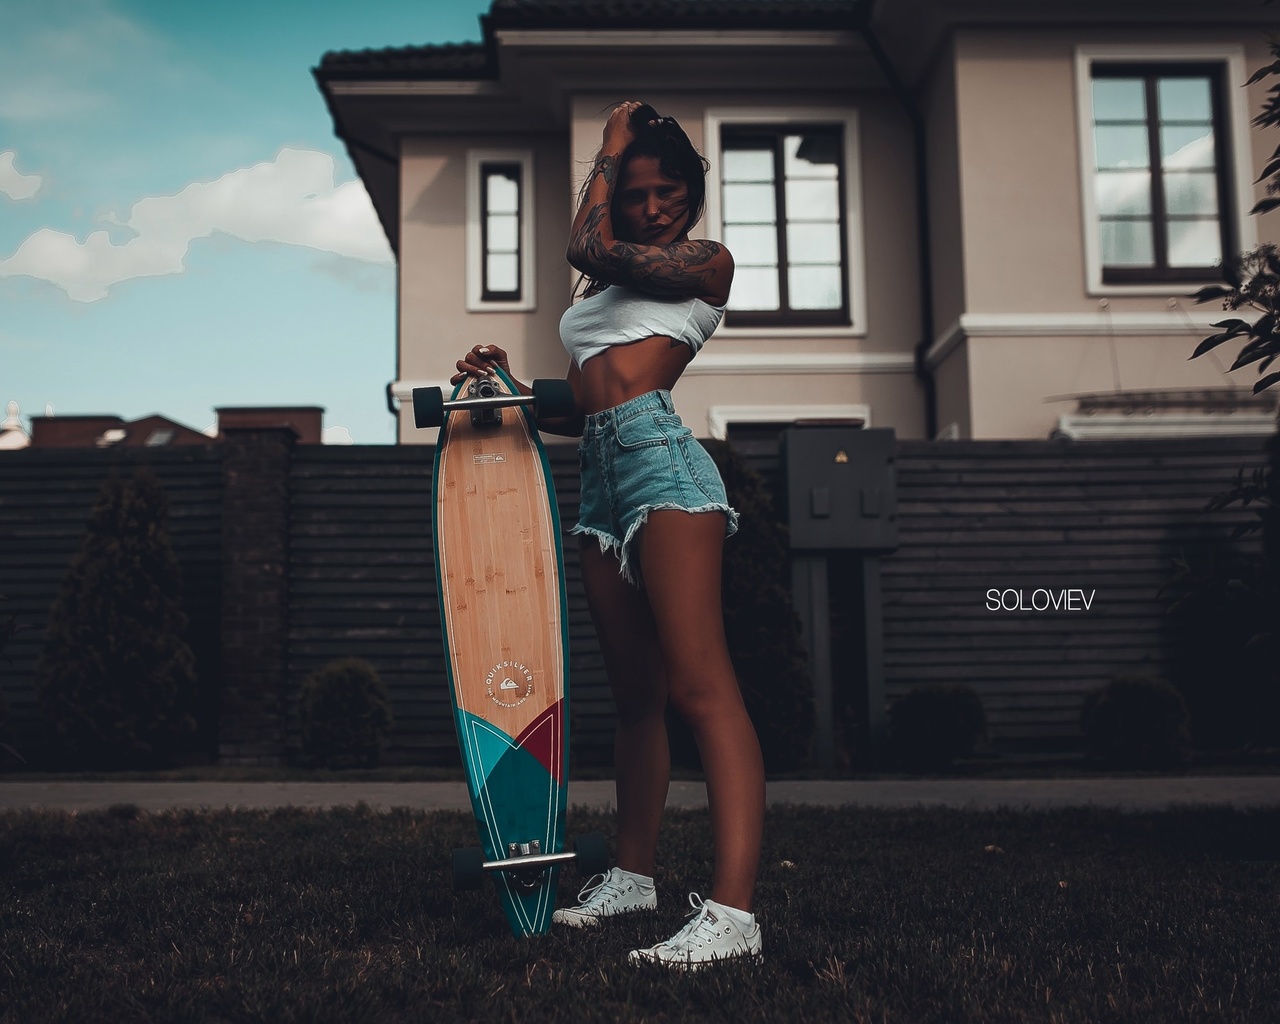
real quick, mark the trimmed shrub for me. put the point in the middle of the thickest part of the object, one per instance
(933, 725)
(761, 626)
(344, 713)
(9, 627)
(116, 680)
(1137, 721)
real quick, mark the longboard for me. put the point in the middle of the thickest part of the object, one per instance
(503, 611)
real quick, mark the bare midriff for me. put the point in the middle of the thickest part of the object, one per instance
(623, 372)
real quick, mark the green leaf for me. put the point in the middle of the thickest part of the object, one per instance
(1265, 383)
(1266, 205)
(1214, 291)
(1270, 69)
(1208, 344)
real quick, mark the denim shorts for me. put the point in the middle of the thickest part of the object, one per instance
(637, 457)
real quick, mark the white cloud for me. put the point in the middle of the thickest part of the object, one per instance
(13, 182)
(337, 435)
(290, 200)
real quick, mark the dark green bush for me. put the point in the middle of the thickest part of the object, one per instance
(1137, 721)
(344, 713)
(116, 681)
(9, 627)
(761, 625)
(933, 725)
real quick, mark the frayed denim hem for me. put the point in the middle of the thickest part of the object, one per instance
(610, 543)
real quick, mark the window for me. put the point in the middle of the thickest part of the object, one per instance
(782, 213)
(1159, 171)
(1166, 164)
(499, 231)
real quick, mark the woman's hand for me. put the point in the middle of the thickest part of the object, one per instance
(479, 362)
(618, 133)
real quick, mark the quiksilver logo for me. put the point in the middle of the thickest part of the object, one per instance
(509, 684)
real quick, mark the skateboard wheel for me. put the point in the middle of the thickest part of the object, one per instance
(552, 397)
(592, 852)
(468, 868)
(428, 407)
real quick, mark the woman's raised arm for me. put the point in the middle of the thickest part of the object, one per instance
(700, 268)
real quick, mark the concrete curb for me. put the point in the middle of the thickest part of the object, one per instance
(970, 794)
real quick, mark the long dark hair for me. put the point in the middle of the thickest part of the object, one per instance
(663, 139)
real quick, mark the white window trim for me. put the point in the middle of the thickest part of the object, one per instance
(475, 255)
(1241, 149)
(713, 225)
(720, 416)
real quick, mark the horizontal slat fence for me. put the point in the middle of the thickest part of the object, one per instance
(1099, 516)
(45, 498)
(1104, 517)
(362, 584)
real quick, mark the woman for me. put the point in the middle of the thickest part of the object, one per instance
(653, 522)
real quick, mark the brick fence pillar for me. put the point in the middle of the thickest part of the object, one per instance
(255, 593)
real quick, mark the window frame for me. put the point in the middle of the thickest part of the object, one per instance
(478, 300)
(1233, 154)
(769, 324)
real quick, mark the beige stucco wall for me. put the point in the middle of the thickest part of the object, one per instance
(1022, 236)
(435, 327)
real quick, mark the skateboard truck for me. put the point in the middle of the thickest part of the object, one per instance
(485, 415)
(551, 397)
(527, 864)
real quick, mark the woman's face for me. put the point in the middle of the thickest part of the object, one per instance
(654, 208)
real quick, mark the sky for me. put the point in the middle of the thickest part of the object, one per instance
(180, 229)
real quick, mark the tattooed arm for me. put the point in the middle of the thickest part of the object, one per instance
(681, 267)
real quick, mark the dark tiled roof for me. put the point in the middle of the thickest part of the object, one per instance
(448, 60)
(675, 13)
(477, 60)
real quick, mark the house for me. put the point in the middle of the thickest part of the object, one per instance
(956, 218)
(155, 431)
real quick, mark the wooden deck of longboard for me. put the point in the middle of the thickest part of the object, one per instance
(502, 606)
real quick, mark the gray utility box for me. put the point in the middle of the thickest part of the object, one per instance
(840, 489)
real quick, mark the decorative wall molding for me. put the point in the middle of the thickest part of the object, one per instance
(1121, 427)
(720, 416)
(772, 363)
(1067, 325)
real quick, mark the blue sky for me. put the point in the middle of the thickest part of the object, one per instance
(179, 227)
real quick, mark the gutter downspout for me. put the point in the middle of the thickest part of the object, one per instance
(923, 225)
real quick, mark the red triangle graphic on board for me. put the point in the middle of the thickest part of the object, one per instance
(544, 739)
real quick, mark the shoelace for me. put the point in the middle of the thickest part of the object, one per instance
(598, 892)
(701, 927)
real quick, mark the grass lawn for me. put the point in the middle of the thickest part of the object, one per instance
(868, 915)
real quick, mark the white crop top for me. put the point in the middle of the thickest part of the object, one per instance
(619, 315)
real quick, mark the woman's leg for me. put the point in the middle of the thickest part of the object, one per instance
(633, 661)
(680, 556)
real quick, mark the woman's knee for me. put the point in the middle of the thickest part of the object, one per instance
(705, 698)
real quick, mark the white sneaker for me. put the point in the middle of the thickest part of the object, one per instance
(711, 934)
(618, 892)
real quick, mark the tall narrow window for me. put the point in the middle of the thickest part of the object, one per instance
(500, 231)
(1160, 172)
(501, 275)
(782, 191)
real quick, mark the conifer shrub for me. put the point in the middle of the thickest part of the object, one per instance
(1137, 721)
(344, 715)
(116, 681)
(933, 725)
(9, 628)
(761, 626)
